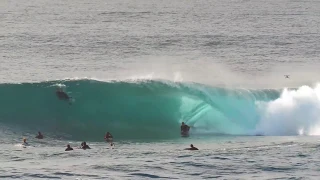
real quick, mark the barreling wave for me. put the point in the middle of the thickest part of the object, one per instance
(150, 109)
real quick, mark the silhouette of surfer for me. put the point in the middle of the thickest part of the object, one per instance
(84, 146)
(192, 148)
(108, 137)
(184, 129)
(39, 136)
(69, 148)
(62, 95)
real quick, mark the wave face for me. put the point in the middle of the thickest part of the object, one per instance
(151, 109)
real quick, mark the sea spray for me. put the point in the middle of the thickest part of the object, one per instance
(295, 112)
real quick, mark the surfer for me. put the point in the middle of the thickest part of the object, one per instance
(184, 129)
(191, 148)
(108, 137)
(69, 148)
(25, 142)
(62, 95)
(39, 136)
(84, 146)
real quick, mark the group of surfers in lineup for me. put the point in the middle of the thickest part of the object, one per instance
(108, 137)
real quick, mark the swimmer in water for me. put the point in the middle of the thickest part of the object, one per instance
(84, 146)
(192, 148)
(39, 136)
(69, 148)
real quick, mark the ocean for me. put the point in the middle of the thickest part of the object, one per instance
(242, 73)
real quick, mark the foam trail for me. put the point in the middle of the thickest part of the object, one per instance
(295, 112)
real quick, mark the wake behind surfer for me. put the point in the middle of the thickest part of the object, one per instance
(184, 129)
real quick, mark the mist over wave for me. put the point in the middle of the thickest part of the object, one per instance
(154, 109)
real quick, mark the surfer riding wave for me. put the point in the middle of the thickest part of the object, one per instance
(184, 129)
(63, 95)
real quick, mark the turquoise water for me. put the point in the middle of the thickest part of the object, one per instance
(150, 109)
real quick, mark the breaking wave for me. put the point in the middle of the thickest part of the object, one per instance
(154, 109)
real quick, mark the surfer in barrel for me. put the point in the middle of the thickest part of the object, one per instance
(108, 137)
(184, 129)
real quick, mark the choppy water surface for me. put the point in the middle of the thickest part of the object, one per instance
(221, 157)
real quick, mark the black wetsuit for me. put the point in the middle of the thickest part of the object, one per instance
(85, 147)
(192, 148)
(40, 136)
(69, 149)
(62, 95)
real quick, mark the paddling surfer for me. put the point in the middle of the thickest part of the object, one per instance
(192, 148)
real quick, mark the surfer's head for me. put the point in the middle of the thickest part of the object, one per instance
(191, 145)
(24, 140)
(68, 146)
(182, 123)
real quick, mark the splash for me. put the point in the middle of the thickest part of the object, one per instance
(295, 112)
